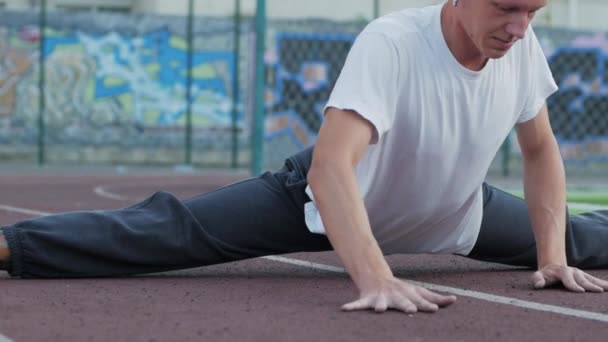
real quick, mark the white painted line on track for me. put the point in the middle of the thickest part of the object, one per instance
(22, 210)
(5, 339)
(595, 316)
(100, 191)
(308, 264)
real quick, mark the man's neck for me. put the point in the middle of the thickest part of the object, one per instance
(459, 43)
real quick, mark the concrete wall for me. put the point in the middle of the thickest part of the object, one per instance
(579, 14)
(28, 3)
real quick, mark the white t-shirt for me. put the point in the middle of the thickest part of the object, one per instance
(438, 126)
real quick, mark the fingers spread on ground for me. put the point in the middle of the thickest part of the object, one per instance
(580, 278)
(436, 298)
(361, 304)
(599, 282)
(405, 305)
(424, 305)
(570, 283)
(381, 304)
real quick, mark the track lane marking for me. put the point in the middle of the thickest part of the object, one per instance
(22, 210)
(589, 315)
(102, 192)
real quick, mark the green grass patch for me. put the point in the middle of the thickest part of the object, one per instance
(590, 198)
(579, 197)
(593, 198)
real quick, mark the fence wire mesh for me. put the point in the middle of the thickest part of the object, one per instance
(221, 125)
(304, 60)
(116, 85)
(305, 57)
(579, 110)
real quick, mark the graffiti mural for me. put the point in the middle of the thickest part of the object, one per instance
(109, 84)
(14, 64)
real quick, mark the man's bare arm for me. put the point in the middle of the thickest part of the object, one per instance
(545, 190)
(342, 140)
(332, 180)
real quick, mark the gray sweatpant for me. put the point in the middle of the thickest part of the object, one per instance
(256, 217)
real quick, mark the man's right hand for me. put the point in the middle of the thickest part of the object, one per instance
(397, 294)
(342, 140)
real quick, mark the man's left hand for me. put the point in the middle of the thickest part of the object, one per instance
(572, 278)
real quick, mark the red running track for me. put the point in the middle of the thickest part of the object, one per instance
(260, 299)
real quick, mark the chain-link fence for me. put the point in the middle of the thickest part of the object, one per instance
(304, 61)
(305, 57)
(116, 85)
(579, 110)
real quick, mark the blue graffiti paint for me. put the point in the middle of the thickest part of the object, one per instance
(153, 48)
(295, 94)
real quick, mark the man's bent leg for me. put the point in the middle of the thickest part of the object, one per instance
(256, 217)
(506, 234)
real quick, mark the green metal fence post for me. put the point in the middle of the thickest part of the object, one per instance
(236, 83)
(376, 8)
(189, 62)
(257, 144)
(41, 85)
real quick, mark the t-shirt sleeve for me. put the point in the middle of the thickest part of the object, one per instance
(369, 82)
(540, 80)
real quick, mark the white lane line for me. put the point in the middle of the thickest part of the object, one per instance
(308, 264)
(595, 316)
(22, 210)
(100, 191)
(5, 339)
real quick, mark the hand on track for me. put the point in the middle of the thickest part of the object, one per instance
(396, 294)
(572, 278)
